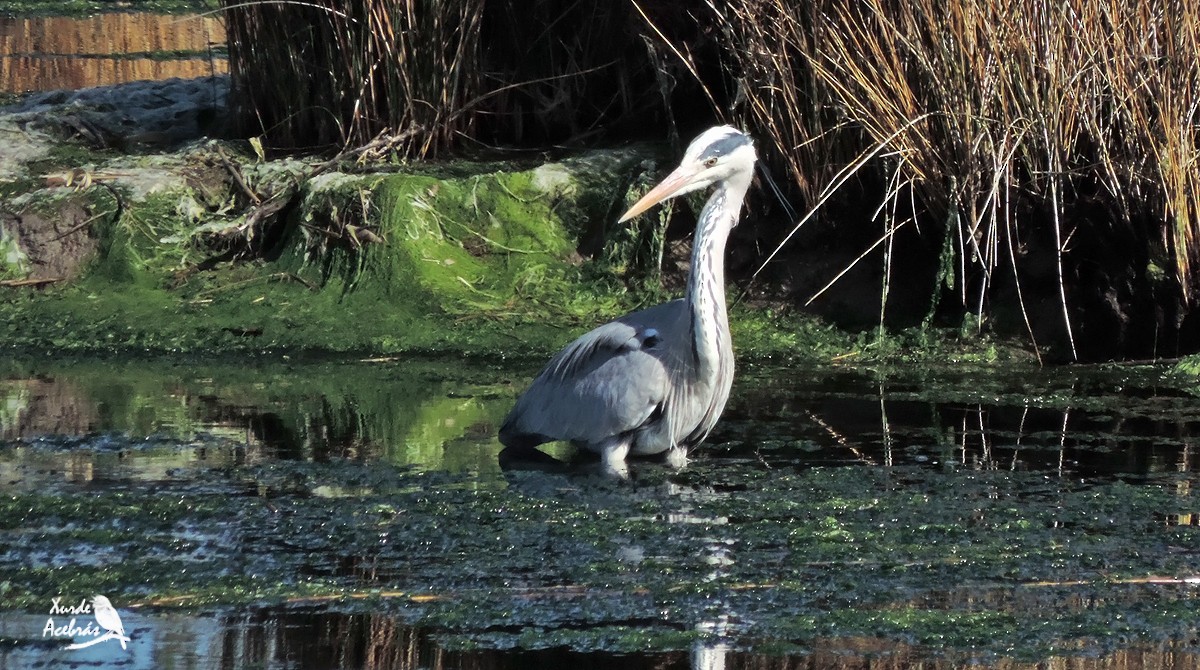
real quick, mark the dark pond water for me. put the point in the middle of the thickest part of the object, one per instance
(315, 514)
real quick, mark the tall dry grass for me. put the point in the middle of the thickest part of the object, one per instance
(1005, 118)
(325, 72)
(442, 75)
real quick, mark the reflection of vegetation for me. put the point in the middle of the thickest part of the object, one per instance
(437, 423)
(972, 559)
(412, 412)
(1084, 419)
(14, 399)
(90, 7)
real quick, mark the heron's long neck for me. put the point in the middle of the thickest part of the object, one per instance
(706, 281)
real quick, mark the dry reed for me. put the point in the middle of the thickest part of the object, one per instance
(1015, 121)
(440, 75)
(324, 73)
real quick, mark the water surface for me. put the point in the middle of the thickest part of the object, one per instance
(288, 513)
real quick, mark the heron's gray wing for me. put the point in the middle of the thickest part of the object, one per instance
(609, 381)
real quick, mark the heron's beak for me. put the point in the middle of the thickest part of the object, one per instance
(666, 189)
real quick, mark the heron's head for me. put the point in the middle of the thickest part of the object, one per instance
(719, 154)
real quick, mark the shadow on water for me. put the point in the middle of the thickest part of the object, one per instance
(333, 514)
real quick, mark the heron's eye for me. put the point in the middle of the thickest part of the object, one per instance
(710, 162)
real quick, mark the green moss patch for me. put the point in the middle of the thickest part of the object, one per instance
(363, 263)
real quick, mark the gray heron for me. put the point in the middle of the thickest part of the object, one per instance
(655, 380)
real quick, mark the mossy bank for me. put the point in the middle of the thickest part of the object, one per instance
(363, 263)
(141, 238)
(368, 263)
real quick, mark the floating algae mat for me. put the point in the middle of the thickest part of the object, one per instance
(320, 514)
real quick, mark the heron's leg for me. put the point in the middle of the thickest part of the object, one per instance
(677, 457)
(613, 454)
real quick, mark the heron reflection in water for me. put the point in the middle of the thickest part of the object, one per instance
(656, 380)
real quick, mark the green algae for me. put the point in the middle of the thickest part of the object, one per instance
(476, 262)
(377, 491)
(847, 552)
(483, 259)
(466, 247)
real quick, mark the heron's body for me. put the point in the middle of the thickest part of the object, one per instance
(655, 380)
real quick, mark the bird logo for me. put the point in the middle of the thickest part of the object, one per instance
(107, 618)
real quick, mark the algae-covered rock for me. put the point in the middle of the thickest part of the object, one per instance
(198, 244)
(193, 244)
(43, 239)
(464, 245)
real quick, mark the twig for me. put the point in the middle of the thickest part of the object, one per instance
(278, 276)
(886, 236)
(264, 209)
(840, 178)
(237, 175)
(29, 282)
(78, 227)
(116, 213)
(1059, 249)
(382, 140)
